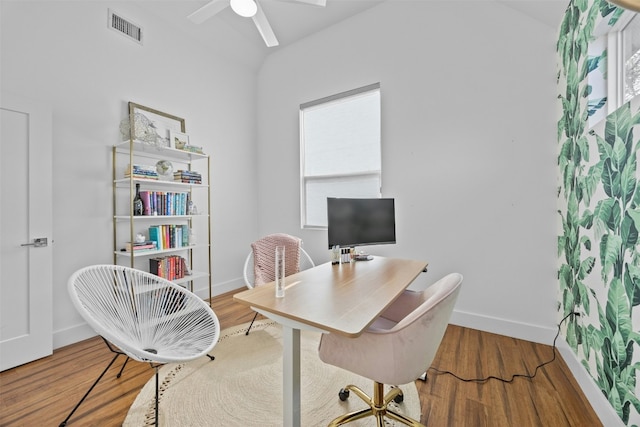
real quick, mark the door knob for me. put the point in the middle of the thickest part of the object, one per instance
(38, 242)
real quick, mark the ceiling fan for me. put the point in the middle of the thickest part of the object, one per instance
(248, 9)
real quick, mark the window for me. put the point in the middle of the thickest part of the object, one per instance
(340, 151)
(613, 65)
(630, 64)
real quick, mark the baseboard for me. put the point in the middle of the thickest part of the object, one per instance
(228, 286)
(72, 335)
(495, 325)
(219, 288)
(592, 392)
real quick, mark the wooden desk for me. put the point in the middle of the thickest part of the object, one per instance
(343, 299)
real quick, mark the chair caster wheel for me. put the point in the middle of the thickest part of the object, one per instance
(399, 398)
(343, 394)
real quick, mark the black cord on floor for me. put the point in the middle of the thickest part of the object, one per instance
(514, 376)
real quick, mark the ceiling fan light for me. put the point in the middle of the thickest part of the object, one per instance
(245, 8)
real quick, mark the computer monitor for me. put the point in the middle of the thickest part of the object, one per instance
(360, 222)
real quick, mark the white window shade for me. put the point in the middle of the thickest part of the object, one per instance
(340, 150)
(343, 136)
(318, 189)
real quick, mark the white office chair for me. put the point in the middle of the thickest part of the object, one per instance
(143, 317)
(256, 274)
(397, 348)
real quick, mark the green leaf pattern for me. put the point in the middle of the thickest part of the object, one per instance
(599, 207)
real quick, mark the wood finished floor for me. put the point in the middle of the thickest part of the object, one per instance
(42, 393)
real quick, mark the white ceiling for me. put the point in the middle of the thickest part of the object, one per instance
(549, 12)
(237, 37)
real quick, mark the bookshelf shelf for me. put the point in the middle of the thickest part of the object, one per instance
(151, 252)
(154, 152)
(157, 217)
(193, 276)
(185, 280)
(131, 159)
(156, 183)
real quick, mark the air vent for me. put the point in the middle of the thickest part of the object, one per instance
(125, 27)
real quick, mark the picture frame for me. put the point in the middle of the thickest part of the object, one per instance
(153, 127)
(178, 140)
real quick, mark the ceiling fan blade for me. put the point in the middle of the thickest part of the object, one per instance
(260, 19)
(207, 11)
(321, 3)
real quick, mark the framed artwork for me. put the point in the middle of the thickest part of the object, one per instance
(153, 127)
(178, 140)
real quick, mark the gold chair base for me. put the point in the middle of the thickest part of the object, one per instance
(377, 407)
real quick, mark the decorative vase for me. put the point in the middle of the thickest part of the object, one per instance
(165, 170)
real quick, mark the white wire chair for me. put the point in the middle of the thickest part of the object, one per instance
(146, 318)
(304, 261)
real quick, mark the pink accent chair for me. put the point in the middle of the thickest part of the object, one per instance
(397, 348)
(259, 267)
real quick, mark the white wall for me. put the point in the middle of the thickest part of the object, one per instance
(468, 134)
(468, 138)
(63, 53)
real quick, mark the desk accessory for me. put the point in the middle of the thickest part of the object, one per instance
(279, 270)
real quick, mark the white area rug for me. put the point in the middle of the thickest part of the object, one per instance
(243, 386)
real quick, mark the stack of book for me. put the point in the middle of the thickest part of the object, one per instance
(170, 267)
(148, 245)
(164, 202)
(190, 177)
(141, 171)
(169, 236)
(192, 149)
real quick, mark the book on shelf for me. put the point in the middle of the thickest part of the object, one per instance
(169, 267)
(192, 149)
(154, 234)
(170, 236)
(182, 172)
(139, 176)
(140, 246)
(141, 171)
(146, 202)
(185, 235)
(164, 203)
(142, 168)
(188, 177)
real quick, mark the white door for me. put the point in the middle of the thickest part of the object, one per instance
(25, 215)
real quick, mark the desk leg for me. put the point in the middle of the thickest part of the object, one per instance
(291, 376)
